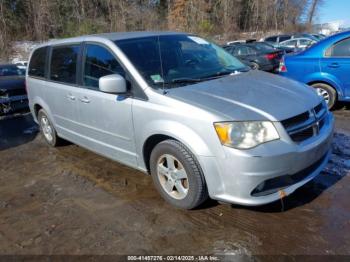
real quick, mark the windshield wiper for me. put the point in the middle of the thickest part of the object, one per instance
(218, 74)
(185, 80)
(227, 72)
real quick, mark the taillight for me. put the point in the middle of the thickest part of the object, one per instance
(271, 56)
(282, 68)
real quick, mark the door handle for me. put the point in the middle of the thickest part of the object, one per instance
(85, 100)
(71, 97)
(334, 65)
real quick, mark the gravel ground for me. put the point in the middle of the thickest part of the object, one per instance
(68, 200)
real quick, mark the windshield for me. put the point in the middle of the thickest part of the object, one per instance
(11, 71)
(176, 60)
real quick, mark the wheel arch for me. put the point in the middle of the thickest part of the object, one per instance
(149, 145)
(159, 131)
(328, 81)
(38, 104)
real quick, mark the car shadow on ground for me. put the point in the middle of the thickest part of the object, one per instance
(16, 130)
(341, 106)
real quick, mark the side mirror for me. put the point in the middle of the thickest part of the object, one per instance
(114, 84)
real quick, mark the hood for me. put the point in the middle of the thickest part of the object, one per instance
(254, 95)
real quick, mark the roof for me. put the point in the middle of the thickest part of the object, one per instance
(135, 34)
(112, 36)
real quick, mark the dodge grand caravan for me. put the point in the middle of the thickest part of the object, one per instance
(184, 110)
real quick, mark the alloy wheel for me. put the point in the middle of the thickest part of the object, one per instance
(172, 176)
(322, 92)
(46, 128)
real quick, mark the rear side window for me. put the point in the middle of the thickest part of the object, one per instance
(242, 50)
(284, 38)
(64, 64)
(340, 49)
(38, 62)
(251, 51)
(290, 43)
(99, 62)
(271, 39)
(305, 41)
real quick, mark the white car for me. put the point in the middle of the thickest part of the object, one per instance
(298, 43)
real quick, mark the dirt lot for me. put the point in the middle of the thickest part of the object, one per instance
(71, 201)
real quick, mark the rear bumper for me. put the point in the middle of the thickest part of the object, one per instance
(272, 67)
(236, 177)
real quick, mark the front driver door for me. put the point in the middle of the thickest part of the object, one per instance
(105, 119)
(336, 62)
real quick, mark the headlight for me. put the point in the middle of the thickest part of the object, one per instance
(245, 135)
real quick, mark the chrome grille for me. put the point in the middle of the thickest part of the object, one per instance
(307, 124)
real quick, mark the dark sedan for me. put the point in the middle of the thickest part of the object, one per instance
(13, 97)
(257, 55)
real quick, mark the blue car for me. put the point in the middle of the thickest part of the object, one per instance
(324, 66)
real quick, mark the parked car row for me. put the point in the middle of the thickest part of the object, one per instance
(277, 40)
(257, 55)
(316, 60)
(184, 110)
(267, 53)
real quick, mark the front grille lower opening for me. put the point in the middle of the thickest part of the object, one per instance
(272, 185)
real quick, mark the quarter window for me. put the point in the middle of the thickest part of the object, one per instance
(37, 63)
(340, 49)
(251, 51)
(243, 50)
(99, 62)
(284, 38)
(271, 39)
(64, 64)
(305, 42)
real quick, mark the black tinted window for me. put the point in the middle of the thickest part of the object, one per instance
(271, 39)
(64, 64)
(99, 62)
(340, 49)
(242, 50)
(251, 51)
(37, 63)
(11, 70)
(284, 38)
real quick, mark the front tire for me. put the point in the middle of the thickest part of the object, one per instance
(177, 175)
(327, 92)
(47, 129)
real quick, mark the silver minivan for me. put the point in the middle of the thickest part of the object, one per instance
(184, 110)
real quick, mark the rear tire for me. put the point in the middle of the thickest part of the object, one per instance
(177, 175)
(254, 66)
(48, 130)
(327, 92)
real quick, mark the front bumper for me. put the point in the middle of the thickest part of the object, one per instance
(13, 104)
(235, 177)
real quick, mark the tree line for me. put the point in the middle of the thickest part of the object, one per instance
(40, 20)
